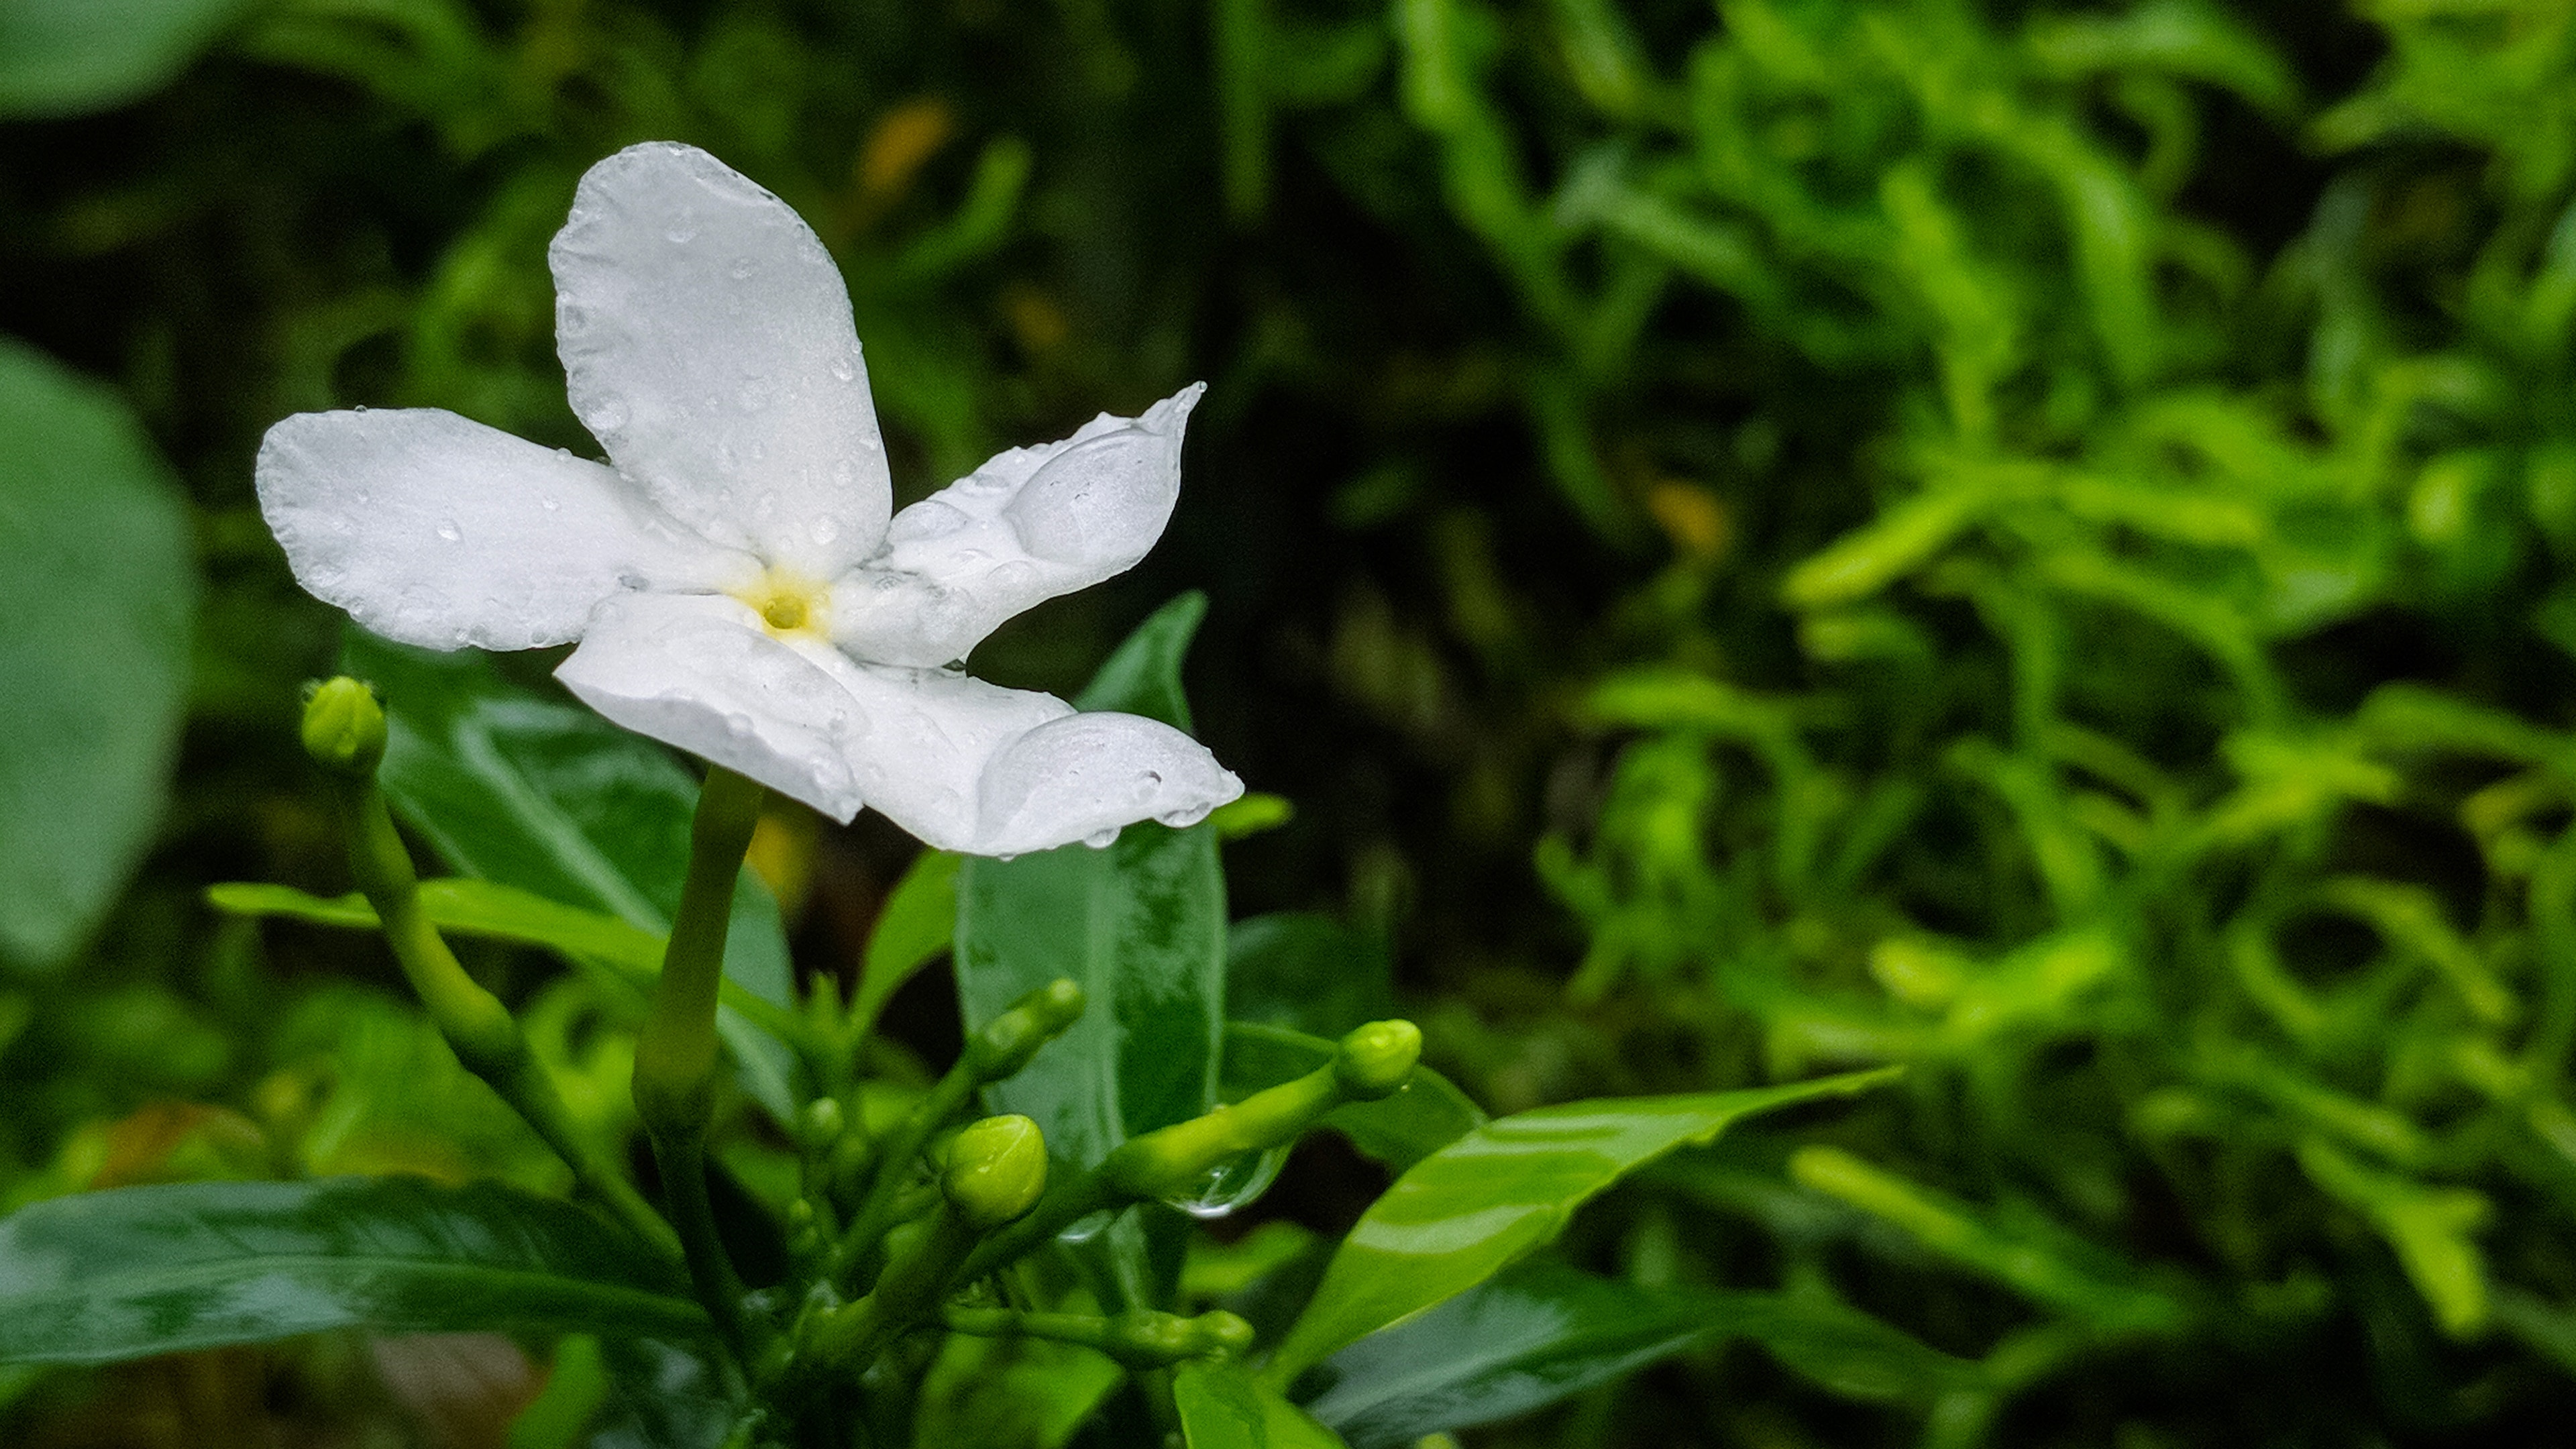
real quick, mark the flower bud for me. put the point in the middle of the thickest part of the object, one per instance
(344, 727)
(1375, 1059)
(1008, 1041)
(818, 1127)
(997, 1168)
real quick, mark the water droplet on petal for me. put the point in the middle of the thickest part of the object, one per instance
(550, 504)
(927, 519)
(1185, 818)
(448, 530)
(741, 269)
(738, 725)
(844, 369)
(823, 530)
(682, 235)
(1102, 839)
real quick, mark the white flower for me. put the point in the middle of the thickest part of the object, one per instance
(732, 575)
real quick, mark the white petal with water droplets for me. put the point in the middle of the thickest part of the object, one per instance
(935, 731)
(1029, 525)
(1084, 776)
(435, 530)
(707, 340)
(699, 672)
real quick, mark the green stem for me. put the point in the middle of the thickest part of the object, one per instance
(1141, 1340)
(478, 1027)
(675, 1056)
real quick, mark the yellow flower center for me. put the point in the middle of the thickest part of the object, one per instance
(786, 603)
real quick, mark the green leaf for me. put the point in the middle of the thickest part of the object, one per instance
(1140, 925)
(465, 906)
(1425, 1115)
(1307, 971)
(97, 588)
(63, 57)
(559, 1416)
(1009, 1393)
(1476, 1206)
(162, 1269)
(1222, 1407)
(548, 797)
(918, 924)
(1517, 1342)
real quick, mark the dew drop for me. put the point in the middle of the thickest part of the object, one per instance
(738, 725)
(1081, 1229)
(681, 236)
(1232, 1185)
(1102, 839)
(448, 530)
(823, 530)
(1185, 818)
(550, 504)
(844, 369)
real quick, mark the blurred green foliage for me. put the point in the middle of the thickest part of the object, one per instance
(2026, 540)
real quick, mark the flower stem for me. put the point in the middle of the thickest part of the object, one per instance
(477, 1026)
(675, 1056)
(1372, 1062)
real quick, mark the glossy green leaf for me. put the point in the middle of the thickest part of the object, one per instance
(1425, 1115)
(544, 795)
(1223, 1407)
(917, 925)
(1476, 1206)
(1140, 925)
(466, 906)
(1306, 971)
(64, 57)
(97, 586)
(146, 1270)
(1513, 1343)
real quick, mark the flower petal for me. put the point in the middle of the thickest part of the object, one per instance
(1029, 525)
(1085, 775)
(435, 530)
(698, 671)
(931, 739)
(707, 341)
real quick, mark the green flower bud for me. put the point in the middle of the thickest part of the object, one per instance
(344, 727)
(1008, 1041)
(819, 1126)
(997, 1169)
(1375, 1059)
